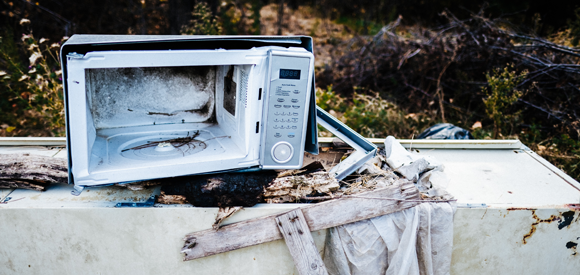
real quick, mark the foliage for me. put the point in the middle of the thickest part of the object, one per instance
(561, 150)
(574, 27)
(202, 22)
(501, 95)
(241, 17)
(31, 99)
(451, 74)
(371, 115)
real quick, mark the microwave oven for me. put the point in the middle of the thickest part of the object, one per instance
(148, 107)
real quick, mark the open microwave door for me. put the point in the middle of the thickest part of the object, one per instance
(364, 149)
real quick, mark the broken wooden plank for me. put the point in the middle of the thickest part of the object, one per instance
(400, 196)
(32, 171)
(299, 240)
(23, 184)
(223, 214)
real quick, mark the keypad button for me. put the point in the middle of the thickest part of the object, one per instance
(294, 100)
(277, 135)
(277, 106)
(294, 127)
(287, 106)
(296, 91)
(291, 135)
(296, 114)
(294, 120)
(280, 100)
(294, 106)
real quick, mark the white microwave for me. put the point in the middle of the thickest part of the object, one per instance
(147, 107)
(142, 108)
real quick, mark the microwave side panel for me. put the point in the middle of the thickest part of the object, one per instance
(286, 109)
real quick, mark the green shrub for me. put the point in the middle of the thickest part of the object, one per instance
(371, 115)
(31, 98)
(202, 22)
(501, 95)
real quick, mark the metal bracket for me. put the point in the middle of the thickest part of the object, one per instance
(148, 203)
(5, 200)
(364, 149)
(78, 189)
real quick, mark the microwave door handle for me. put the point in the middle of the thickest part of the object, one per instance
(364, 149)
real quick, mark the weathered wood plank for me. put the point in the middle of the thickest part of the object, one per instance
(318, 216)
(22, 184)
(230, 237)
(297, 235)
(33, 167)
(31, 171)
(342, 211)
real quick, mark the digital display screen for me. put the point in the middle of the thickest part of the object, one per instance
(289, 74)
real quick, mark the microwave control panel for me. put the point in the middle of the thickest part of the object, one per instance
(287, 112)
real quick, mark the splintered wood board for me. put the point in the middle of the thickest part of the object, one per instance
(293, 227)
(318, 216)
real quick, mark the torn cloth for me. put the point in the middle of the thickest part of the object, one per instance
(417, 240)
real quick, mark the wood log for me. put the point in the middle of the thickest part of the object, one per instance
(299, 240)
(400, 196)
(31, 171)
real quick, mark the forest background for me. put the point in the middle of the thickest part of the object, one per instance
(501, 69)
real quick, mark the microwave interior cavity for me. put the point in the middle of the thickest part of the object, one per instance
(165, 113)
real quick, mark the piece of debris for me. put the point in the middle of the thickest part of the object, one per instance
(24, 184)
(141, 185)
(292, 188)
(328, 158)
(171, 199)
(446, 131)
(224, 213)
(426, 171)
(31, 171)
(434, 184)
(318, 216)
(222, 190)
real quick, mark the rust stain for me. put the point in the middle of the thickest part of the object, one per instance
(538, 221)
(573, 246)
(520, 208)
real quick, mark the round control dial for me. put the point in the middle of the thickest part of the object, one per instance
(282, 152)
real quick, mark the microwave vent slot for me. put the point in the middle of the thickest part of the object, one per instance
(244, 87)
